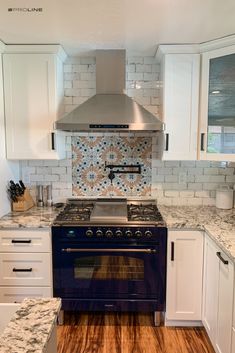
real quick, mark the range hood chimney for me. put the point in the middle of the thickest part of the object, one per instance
(110, 109)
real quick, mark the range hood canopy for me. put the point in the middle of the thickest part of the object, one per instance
(110, 109)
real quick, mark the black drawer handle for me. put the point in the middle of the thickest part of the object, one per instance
(167, 142)
(53, 141)
(15, 241)
(221, 258)
(172, 251)
(202, 141)
(22, 269)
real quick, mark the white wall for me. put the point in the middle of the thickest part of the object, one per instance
(8, 170)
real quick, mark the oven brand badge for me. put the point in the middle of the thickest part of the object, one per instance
(25, 9)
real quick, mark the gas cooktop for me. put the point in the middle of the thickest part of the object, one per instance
(109, 211)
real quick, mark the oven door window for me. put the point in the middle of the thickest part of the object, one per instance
(109, 267)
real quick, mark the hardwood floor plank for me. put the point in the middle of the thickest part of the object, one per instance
(127, 333)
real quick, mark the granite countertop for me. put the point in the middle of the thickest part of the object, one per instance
(30, 327)
(219, 224)
(36, 217)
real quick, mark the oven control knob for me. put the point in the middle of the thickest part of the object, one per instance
(118, 233)
(128, 233)
(109, 233)
(99, 233)
(138, 233)
(148, 233)
(89, 233)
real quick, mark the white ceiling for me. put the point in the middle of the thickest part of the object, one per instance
(139, 26)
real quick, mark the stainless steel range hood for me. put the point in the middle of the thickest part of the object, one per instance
(110, 109)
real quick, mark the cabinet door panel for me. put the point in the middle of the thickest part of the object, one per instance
(225, 304)
(180, 105)
(210, 288)
(30, 91)
(184, 275)
(217, 108)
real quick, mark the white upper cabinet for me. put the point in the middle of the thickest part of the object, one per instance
(217, 105)
(33, 89)
(180, 73)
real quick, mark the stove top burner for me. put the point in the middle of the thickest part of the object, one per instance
(73, 213)
(87, 212)
(143, 212)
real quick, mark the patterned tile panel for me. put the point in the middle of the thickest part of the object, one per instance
(91, 153)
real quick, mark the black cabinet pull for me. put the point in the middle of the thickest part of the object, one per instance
(221, 258)
(172, 251)
(22, 269)
(202, 141)
(16, 241)
(53, 141)
(167, 142)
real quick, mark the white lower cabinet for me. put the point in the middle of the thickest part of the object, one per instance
(184, 276)
(218, 296)
(25, 264)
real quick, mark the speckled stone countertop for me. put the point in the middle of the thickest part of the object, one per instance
(30, 327)
(219, 224)
(36, 217)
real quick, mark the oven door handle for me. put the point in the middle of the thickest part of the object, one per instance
(148, 251)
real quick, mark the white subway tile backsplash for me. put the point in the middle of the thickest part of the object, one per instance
(171, 193)
(88, 60)
(143, 68)
(201, 178)
(51, 177)
(135, 60)
(133, 76)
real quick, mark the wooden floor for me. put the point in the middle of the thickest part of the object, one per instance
(127, 333)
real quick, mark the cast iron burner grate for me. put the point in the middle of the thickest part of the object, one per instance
(143, 212)
(74, 213)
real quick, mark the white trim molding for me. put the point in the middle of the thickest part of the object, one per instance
(217, 43)
(37, 49)
(2, 47)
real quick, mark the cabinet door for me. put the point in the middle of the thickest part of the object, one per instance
(210, 288)
(30, 90)
(184, 275)
(180, 105)
(225, 304)
(217, 108)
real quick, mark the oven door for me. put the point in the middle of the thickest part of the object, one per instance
(113, 271)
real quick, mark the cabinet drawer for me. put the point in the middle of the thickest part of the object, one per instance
(25, 269)
(17, 294)
(25, 241)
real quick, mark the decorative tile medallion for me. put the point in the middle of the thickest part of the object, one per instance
(91, 153)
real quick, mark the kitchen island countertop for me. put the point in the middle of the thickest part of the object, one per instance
(31, 326)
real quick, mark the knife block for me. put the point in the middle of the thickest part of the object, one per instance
(25, 202)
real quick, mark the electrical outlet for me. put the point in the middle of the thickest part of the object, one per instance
(182, 178)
